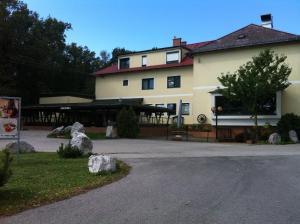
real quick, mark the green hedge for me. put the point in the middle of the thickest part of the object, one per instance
(288, 122)
(127, 123)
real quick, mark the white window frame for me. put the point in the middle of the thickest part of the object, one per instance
(120, 63)
(246, 120)
(144, 60)
(189, 109)
(174, 51)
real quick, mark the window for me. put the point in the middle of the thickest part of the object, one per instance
(172, 57)
(144, 61)
(231, 108)
(185, 109)
(147, 83)
(173, 81)
(125, 82)
(172, 106)
(124, 63)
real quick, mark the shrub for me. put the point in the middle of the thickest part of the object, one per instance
(265, 132)
(286, 123)
(127, 123)
(68, 151)
(241, 137)
(5, 171)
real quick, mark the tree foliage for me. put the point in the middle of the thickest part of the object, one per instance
(127, 123)
(34, 57)
(286, 123)
(256, 81)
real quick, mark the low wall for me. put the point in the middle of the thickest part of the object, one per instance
(163, 131)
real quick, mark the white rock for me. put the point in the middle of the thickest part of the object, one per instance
(100, 163)
(67, 129)
(82, 142)
(57, 131)
(77, 127)
(274, 138)
(111, 132)
(293, 136)
(25, 147)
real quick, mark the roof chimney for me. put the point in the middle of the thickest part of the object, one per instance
(183, 43)
(267, 20)
(176, 41)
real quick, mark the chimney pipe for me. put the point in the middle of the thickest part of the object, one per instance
(267, 20)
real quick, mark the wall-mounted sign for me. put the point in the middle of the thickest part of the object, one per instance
(10, 117)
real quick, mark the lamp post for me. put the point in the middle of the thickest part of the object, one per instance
(216, 111)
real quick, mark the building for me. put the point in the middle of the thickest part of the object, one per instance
(188, 72)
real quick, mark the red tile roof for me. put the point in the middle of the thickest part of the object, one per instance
(187, 61)
(113, 69)
(197, 45)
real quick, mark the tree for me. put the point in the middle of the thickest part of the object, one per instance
(127, 123)
(104, 58)
(256, 81)
(116, 53)
(35, 58)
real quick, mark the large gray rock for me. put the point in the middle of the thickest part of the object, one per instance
(82, 142)
(274, 138)
(67, 129)
(101, 163)
(25, 147)
(77, 127)
(57, 131)
(293, 136)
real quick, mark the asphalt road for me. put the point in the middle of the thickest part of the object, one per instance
(141, 148)
(213, 190)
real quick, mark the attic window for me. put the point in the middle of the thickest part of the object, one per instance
(241, 36)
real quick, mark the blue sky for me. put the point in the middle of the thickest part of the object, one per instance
(143, 24)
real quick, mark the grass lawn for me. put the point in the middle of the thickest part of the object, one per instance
(41, 178)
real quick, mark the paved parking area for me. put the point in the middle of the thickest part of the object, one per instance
(182, 182)
(214, 190)
(140, 148)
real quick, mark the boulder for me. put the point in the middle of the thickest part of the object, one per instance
(274, 138)
(77, 127)
(25, 147)
(67, 129)
(82, 142)
(101, 163)
(293, 136)
(111, 132)
(57, 131)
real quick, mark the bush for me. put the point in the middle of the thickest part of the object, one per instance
(241, 137)
(286, 123)
(127, 123)
(68, 151)
(5, 171)
(265, 132)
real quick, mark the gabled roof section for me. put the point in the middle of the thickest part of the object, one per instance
(197, 45)
(186, 61)
(113, 69)
(251, 35)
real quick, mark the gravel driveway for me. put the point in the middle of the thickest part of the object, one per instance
(139, 148)
(220, 190)
(182, 182)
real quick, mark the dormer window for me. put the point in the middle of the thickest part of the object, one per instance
(144, 60)
(124, 63)
(172, 57)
